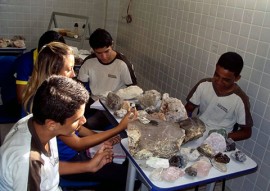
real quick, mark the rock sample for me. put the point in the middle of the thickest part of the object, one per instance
(216, 141)
(173, 109)
(190, 153)
(162, 139)
(230, 145)
(194, 128)
(150, 98)
(113, 101)
(171, 174)
(200, 168)
(239, 156)
(156, 162)
(130, 92)
(178, 161)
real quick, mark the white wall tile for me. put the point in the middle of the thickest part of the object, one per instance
(212, 27)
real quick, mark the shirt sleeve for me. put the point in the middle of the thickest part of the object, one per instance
(125, 76)
(24, 70)
(83, 73)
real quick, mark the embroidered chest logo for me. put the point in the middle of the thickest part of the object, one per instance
(222, 108)
(111, 76)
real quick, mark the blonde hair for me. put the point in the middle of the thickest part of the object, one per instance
(50, 61)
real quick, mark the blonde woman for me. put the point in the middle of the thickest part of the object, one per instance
(54, 58)
(58, 58)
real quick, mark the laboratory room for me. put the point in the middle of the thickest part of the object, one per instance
(171, 95)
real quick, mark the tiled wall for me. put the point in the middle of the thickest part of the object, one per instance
(174, 43)
(30, 18)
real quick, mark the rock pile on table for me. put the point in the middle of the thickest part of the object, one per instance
(161, 132)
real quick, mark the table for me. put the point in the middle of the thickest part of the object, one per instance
(234, 169)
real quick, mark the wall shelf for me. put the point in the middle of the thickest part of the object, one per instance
(64, 23)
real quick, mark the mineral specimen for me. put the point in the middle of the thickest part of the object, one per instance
(120, 113)
(239, 156)
(158, 115)
(222, 158)
(143, 154)
(178, 161)
(162, 140)
(130, 92)
(144, 120)
(113, 101)
(203, 167)
(230, 145)
(216, 141)
(156, 162)
(171, 174)
(150, 98)
(206, 150)
(173, 109)
(191, 154)
(191, 171)
(223, 132)
(194, 128)
(156, 174)
(219, 166)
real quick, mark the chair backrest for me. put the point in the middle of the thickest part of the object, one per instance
(9, 108)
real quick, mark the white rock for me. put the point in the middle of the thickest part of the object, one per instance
(156, 162)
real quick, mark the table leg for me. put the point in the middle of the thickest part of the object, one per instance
(210, 187)
(130, 177)
(144, 188)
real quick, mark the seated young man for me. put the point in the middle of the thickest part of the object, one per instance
(221, 102)
(104, 70)
(29, 156)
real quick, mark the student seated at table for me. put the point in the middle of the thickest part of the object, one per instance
(103, 71)
(25, 62)
(221, 102)
(28, 156)
(58, 58)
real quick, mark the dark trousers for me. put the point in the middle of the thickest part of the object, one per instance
(96, 119)
(111, 176)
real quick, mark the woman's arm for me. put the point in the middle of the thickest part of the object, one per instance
(82, 143)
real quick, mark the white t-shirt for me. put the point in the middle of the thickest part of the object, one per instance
(104, 78)
(15, 161)
(220, 111)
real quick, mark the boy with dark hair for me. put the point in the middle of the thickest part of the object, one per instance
(104, 70)
(29, 156)
(221, 102)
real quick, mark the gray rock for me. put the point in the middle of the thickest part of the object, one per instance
(162, 139)
(113, 101)
(194, 128)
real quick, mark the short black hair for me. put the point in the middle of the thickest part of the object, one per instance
(58, 98)
(231, 61)
(50, 36)
(100, 38)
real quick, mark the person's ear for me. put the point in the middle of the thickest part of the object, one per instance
(51, 124)
(238, 78)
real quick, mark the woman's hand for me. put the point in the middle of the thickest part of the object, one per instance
(130, 116)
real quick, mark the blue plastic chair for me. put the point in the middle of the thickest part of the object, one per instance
(10, 109)
(68, 185)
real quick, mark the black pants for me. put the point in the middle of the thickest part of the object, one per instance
(111, 176)
(96, 119)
